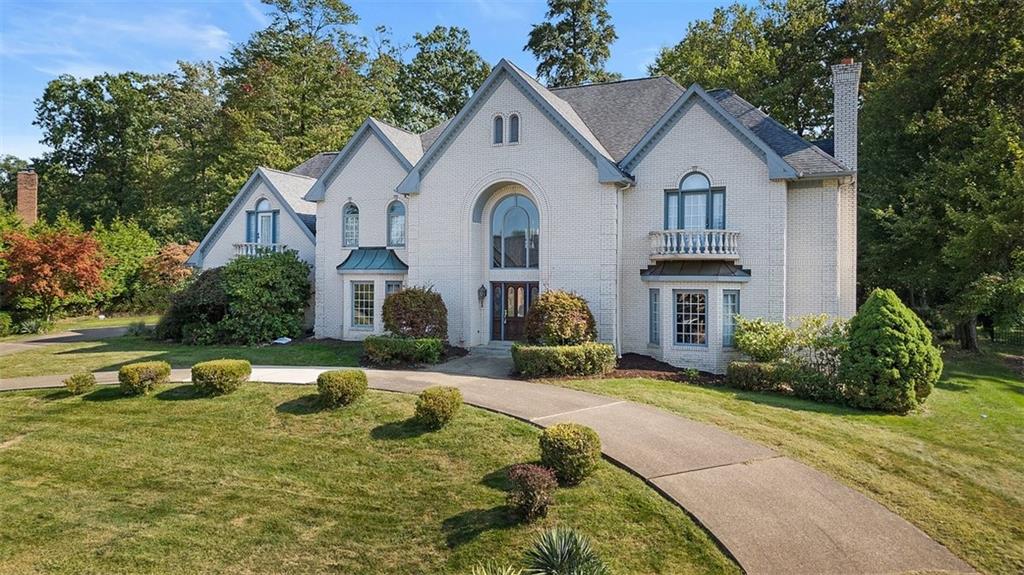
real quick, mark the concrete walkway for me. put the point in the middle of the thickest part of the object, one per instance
(772, 514)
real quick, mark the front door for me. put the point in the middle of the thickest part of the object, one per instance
(509, 303)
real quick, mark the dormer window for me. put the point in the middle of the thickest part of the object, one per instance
(513, 129)
(499, 130)
(695, 205)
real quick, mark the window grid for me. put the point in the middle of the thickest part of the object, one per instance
(691, 317)
(654, 316)
(350, 227)
(695, 205)
(730, 309)
(362, 305)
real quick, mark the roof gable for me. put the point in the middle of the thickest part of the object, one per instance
(288, 195)
(557, 110)
(405, 147)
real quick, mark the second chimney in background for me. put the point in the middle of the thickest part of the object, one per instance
(28, 196)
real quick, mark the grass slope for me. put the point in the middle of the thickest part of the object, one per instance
(262, 481)
(955, 469)
(110, 354)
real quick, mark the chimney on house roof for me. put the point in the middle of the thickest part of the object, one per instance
(845, 103)
(28, 196)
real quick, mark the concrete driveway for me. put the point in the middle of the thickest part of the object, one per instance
(74, 336)
(771, 513)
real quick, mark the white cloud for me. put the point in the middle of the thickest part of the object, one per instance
(256, 11)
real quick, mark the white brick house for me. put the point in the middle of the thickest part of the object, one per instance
(668, 209)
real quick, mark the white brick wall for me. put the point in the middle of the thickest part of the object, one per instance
(368, 180)
(288, 231)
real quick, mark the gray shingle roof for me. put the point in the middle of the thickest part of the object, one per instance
(407, 143)
(293, 187)
(620, 113)
(315, 165)
(804, 157)
(431, 135)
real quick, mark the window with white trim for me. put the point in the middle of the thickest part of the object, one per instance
(350, 227)
(730, 309)
(396, 224)
(691, 317)
(653, 316)
(362, 304)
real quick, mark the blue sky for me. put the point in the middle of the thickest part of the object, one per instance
(40, 40)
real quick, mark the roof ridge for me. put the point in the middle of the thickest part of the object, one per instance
(390, 125)
(292, 174)
(609, 82)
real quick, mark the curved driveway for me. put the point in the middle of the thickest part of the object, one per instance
(771, 513)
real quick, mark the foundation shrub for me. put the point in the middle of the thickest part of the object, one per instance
(563, 360)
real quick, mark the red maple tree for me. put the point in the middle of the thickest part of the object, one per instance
(52, 265)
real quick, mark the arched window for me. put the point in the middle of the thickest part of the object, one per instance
(694, 205)
(396, 224)
(350, 227)
(261, 224)
(513, 129)
(499, 130)
(263, 205)
(515, 233)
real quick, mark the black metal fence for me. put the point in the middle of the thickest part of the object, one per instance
(1009, 336)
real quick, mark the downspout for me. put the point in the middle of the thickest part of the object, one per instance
(620, 191)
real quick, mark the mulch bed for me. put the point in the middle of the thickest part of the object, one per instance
(634, 365)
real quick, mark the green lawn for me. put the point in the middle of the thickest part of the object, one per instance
(110, 354)
(88, 322)
(262, 481)
(955, 469)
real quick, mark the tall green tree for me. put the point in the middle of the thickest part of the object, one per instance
(574, 43)
(9, 167)
(440, 78)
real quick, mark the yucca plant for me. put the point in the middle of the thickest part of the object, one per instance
(490, 568)
(563, 552)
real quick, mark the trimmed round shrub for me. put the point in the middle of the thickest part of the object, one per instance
(890, 364)
(387, 350)
(140, 378)
(753, 376)
(436, 406)
(220, 376)
(80, 383)
(564, 551)
(416, 312)
(531, 492)
(6, 324)
(558, 360)
(763, 341)
(341, 387)
(559, 317)
(571, 450)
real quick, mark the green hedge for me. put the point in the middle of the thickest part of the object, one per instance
(80, 383)
(385, 350)
(559, 360)
(754, 376)
(139, 378)
(436, 406)
(571, 450)
(341, 387)
(220, 376)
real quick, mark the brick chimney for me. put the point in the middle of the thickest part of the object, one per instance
(28, 196)
(845, 92)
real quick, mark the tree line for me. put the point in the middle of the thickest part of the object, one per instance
(942, 121)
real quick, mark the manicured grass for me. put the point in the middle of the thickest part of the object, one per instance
(110, 354)
(263, 481)
(955, 469)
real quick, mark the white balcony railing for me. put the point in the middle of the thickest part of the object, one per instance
(694, 244)
(257, 249)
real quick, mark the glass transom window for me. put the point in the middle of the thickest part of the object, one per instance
(515, 233)
(691, 317)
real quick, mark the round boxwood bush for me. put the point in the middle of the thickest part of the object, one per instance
(890, 364)
(532, 490)
(560, 318)
(436, 406)
(416, 312)
(341, 387)
(571, 450)
(140, 378)
(220, 376)
(80, 383)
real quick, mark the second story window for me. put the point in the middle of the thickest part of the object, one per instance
(499, 130)
(513, 129)
(695, 205)
(396, 224)
(261, 224)
(350, 227)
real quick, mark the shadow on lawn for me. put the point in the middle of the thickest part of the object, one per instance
(405, 429)
(108, 393)
(180, 393)
(305, 405)
(464, 527)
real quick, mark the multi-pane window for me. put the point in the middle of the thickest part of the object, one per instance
(499, 130)
(730, 309)
(695, 205)
(391, 287)
(515, 233)
(653, 316)
(513, 129)
(362, 304)
(691, 317)
(350, 227)
(396, 224)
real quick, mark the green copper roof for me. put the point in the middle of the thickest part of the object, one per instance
(372, 259)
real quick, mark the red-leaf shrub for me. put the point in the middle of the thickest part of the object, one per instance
(532, 488)
(416, 312)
